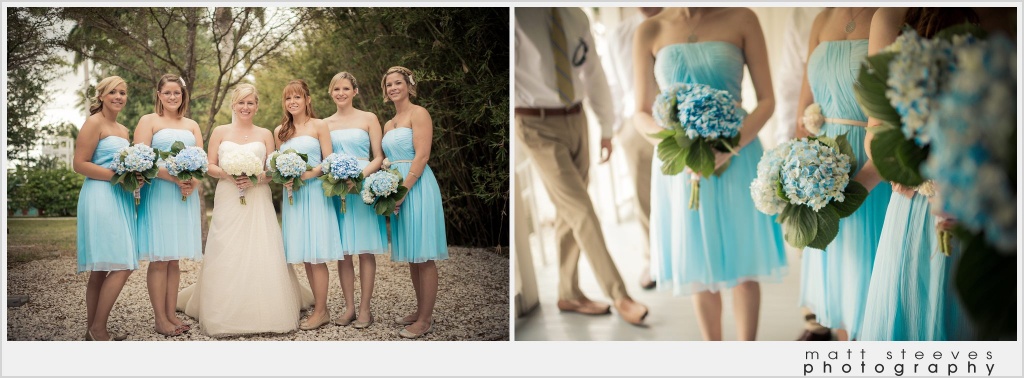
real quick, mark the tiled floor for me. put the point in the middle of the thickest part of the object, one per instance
(670, 318)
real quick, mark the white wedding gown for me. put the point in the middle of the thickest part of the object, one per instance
(245, 286)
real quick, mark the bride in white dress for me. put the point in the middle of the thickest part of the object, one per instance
(245, 286)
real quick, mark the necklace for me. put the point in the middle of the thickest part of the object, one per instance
(850, 26)
(693, 36)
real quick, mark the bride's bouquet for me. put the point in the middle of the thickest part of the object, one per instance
(383, 189)
(185, 163)
(698, 120)
(288, 166)
(342, 176)
(807, 182)
(238, 163)
(131, 162)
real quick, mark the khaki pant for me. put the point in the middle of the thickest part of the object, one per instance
(558, 148)
(639, 152)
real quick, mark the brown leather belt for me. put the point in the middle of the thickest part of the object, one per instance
(543, 112)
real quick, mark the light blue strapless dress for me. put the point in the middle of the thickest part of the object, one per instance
(835, 281)
(169, 228)
(726, 241)
(912, 295)
(417, 232)
(309, 226)
(362, 230)
(106, 218)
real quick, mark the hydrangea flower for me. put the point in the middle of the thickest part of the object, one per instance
(341, 166)
(973, 142)
(814, 174)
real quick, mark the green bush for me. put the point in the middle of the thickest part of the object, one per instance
(53, 191)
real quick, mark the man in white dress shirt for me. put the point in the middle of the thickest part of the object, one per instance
(557, 69)
(790, 77)
(637, 150)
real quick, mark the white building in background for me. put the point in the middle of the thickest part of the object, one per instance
(60, 147)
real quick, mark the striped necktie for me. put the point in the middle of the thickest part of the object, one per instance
(563, 70)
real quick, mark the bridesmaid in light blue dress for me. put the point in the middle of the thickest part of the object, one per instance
(363, 232)
(836, 280)
(912, 295)
(417, 227)
(726, 243)
(106, 213)
(169, 229)
(310, 225)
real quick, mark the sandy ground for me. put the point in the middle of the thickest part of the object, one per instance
(472, 302)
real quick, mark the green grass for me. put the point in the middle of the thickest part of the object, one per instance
(34, 239)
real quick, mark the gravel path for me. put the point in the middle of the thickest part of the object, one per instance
(472, 302)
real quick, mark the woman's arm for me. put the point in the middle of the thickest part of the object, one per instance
(422, 136)
(643, 77)
(806, 97)
(376, 135)
(85, 146)
(885, 27)
(756, 54)
(323, 135)
(212, 169)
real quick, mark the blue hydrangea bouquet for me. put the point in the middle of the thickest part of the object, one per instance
(383, 189)
(807, 182)
(288, 166)
(899, 86)
(185, 163)
(342, 176)
(698, 120)
(132, 162)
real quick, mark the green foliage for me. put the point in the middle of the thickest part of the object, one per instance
(32, 63)
(986, 283)
(460, 59)
(53, 191)
(897, 158)
(870, 87)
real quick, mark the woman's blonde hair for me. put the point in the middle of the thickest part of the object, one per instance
(168, 78)
(339, 77)
(406, 74)
(102, 88)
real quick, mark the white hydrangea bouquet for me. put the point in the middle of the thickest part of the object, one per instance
(288, 166)
(383, 189)
(341, 177)
(132, 162)
(698, 120)
(185, 163)
(238, 163)
(807, 182)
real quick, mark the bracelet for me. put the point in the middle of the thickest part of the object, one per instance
(414, 174)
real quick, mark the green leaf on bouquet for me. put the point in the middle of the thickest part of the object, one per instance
(663, 134)
(855, 194)
(176, 147)
(721, 170)
(114, 180)
(273, 163)
(297, 183)
(685, 143)
(846, 149)
(671, 156)
(328, 188)
(253, 179)
(986, 282)
(828, 227)
(184, 176)
(828, 142)
(701, 159)
(962, 29)
(885, 144)
(384, 206)
(780, 191)
(799, 225)
(870, 87)
(402, 191)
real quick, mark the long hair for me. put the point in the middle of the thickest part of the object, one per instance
(288, 122)
(929, 21)
(168, 78)
(406, 74)
(242, 91)
(102, 88)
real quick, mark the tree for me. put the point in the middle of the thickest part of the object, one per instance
(460, 57)
(32, 64)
